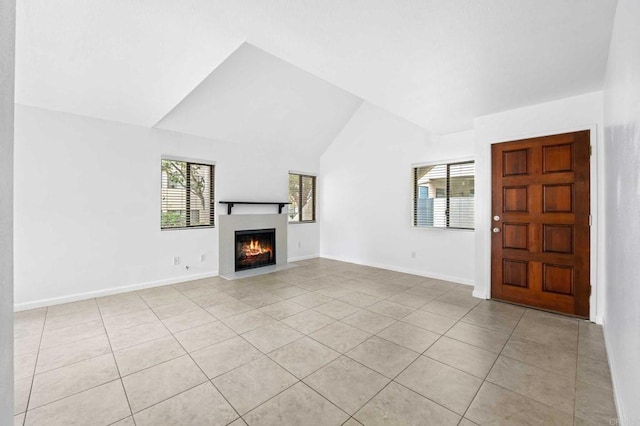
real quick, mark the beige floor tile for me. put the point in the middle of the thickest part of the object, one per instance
(282, 310)
(336, 309)
(21, 389)
(298, 405)
(369, 321)
(27, 326)
(189, 320)
(466, 422)
(429, 321)
(155, 384)
(250, 385)
(340, 337)
(71, 307)
(26, 345)
(176, 309)
(594, 372)
(101, 405)
(391, 309)
(120, 308)
(383, 356)
(359, 299)
(481, 337)
(304, 356)
(228, 309)
(311, 300)
(66, 381)
(462, 356)
(503, 322)
(496, 405)
(70, 353)
(127, 421)
(63, 321)
(272, 336)
(132, 319)
(261, 299)
(346, 383)
(440, 383)
(547, 357)
(222, 357)
(147, 354)
(459, 297)
(201, 405)
(24, 366)
(18, 420)
(562, 338)
(415, 338)
(546, 387)
(352, 422)
(131, 336)
(248, 321)
(594, 405)
(71, 334)
(445, 309)
(308, 321)
(428, 293)
(335, 291)
(409, 299)
(204, 335)
(397, 405)
(289, 292)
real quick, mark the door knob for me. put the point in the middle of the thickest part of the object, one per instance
(496, 230)
(496, 218)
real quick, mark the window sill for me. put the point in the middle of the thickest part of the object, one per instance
(438, 229)
(300, 222)
(188, 227)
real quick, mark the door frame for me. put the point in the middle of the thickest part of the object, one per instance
(596, 301)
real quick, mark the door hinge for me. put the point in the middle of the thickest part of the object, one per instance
(590, 150)
(590, 291)
(589, 220)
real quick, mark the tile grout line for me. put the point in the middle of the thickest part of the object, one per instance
(113, 356)
(484, 380)
(35, 366)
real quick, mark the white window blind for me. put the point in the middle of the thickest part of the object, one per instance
(302, 198)
(187, 195)
(443, 195)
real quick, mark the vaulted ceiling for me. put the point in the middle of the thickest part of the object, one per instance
(227, 68)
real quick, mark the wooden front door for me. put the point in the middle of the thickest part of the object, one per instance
(540, 224)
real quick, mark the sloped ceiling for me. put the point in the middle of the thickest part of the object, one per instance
(436, 63)
(255, 98)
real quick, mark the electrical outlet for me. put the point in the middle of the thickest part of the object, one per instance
(413, 254)
(176, 261)
(203, 257)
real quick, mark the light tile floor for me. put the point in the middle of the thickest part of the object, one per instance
(324, 343)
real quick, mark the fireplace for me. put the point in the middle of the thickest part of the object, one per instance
(255, 248)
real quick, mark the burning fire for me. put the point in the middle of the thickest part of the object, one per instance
(254, 248)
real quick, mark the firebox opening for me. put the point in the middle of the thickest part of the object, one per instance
(255, 248)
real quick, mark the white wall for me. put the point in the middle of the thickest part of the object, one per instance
(87, 205)
(367, 192)
(622, 178)
(7, 50)
(564, 115)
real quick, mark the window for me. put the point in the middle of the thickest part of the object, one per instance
(302, 196)
(443, 195)
(187, 195)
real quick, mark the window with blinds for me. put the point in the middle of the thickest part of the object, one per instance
(302, 198)
(443, 195)
(187, 195)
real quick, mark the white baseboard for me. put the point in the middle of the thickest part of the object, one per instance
(479, 294)
(454, 279)
(298, 258)
(614, 377)
(109, 291)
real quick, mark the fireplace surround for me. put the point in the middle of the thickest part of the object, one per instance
(229, 224)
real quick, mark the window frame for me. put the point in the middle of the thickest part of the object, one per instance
(314, 190)
(190, 162)
(414, 192)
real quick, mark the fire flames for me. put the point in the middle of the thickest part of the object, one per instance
(254, 248)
